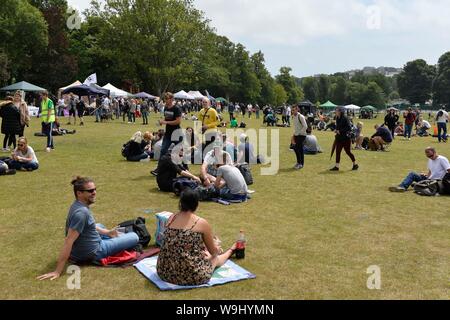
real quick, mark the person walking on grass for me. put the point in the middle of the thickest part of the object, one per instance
(299, 136)
(441, 120)
(11, 127)
(343, 139)
(438, 167)
(48, 119)
(85, 240)
(410, 119)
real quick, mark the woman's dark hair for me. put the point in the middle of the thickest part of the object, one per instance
(79, 183)
(189, 200)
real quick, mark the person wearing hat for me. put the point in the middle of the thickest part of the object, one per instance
(343, 139)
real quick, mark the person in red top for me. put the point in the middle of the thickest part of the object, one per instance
(410, 119)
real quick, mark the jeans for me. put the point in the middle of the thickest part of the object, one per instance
(408, 130)
(412, 177)
(138, 157)
(30, 166)
(97, 115)
(145, 117)
(111, 246)
(49, 133)
(226, 194)
(298, 148)
(442, 131)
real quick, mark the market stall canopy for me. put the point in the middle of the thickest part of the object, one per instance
(328, 105)
(183, 95)
(221, 100)
(116, 92)
(369, 108)
(145, 95)
(24, 86)
(392, 108)
(352, 107)
(76, 83)
(84, 90)
(106, 92)
(196, 94)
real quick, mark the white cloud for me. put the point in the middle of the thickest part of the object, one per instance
(293, 22)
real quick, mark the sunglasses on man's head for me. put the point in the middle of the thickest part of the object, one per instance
(90, 190)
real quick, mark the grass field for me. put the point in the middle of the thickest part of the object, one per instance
(311, 234)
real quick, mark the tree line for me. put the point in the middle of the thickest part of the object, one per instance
(160, 45)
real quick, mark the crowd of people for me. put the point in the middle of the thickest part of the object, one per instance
(219, 176)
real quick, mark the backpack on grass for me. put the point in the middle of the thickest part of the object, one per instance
(138, 226)
(126, 149)
(245, 171)
(427, 188)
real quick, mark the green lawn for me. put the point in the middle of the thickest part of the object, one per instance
(311, 234)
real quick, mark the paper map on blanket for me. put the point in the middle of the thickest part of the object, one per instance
(230, 272)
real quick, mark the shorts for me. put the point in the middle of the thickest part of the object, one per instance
(71, 112)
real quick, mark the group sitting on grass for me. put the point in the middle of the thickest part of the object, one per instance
(139, 148)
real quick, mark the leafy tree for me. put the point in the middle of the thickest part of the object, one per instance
(324, 88)
(339, 91)
(294, 92)
(4, 68)
(310, 89)
(374, 95)
(23, 35)
(416, 80)
(267, 95)
(281, 96)
(55, 65)
(394, 95)
(441, 88)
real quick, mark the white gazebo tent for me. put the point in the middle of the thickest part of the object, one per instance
(196, 94)
(116, 92)
(183, 95)
(352, 107)
(76, 83)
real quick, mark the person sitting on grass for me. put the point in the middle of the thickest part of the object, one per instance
(138, 148)
(170, 166)
(230, 182)
(381, 137)
(233, 124)
(311, 145)
(399, 129)
(438, 167)
(423, 127)
(23, 158)
(190, 253)
(208, 171)
(4, 169)
(87, 241)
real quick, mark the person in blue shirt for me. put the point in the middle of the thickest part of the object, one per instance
(85, 240)
(382, 137)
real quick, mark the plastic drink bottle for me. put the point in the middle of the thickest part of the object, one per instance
(240, 245)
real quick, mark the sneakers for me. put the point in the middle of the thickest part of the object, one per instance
(334, 169)
(298, 166)
(48, 149)
(145, 160)
(397, 189)
(355, 167)
(5, 150)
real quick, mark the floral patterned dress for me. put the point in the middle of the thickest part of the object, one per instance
(182, 259)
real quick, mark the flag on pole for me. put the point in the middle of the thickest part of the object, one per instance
(92, 79)
(209, 96)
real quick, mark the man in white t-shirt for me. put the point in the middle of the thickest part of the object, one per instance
(423, 127)
(441, 120)
(214, 157)
(438, 167)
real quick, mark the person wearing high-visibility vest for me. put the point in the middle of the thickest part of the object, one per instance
(48, 119)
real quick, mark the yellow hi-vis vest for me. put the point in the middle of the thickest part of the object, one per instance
(45, 106)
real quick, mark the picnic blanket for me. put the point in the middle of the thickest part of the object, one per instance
(230, 272)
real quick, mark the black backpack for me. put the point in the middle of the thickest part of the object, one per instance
(126, 149)
(445, 185)
(138, 226)
(246, 172)
(427, 188)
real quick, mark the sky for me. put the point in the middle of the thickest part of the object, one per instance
(328, 36)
